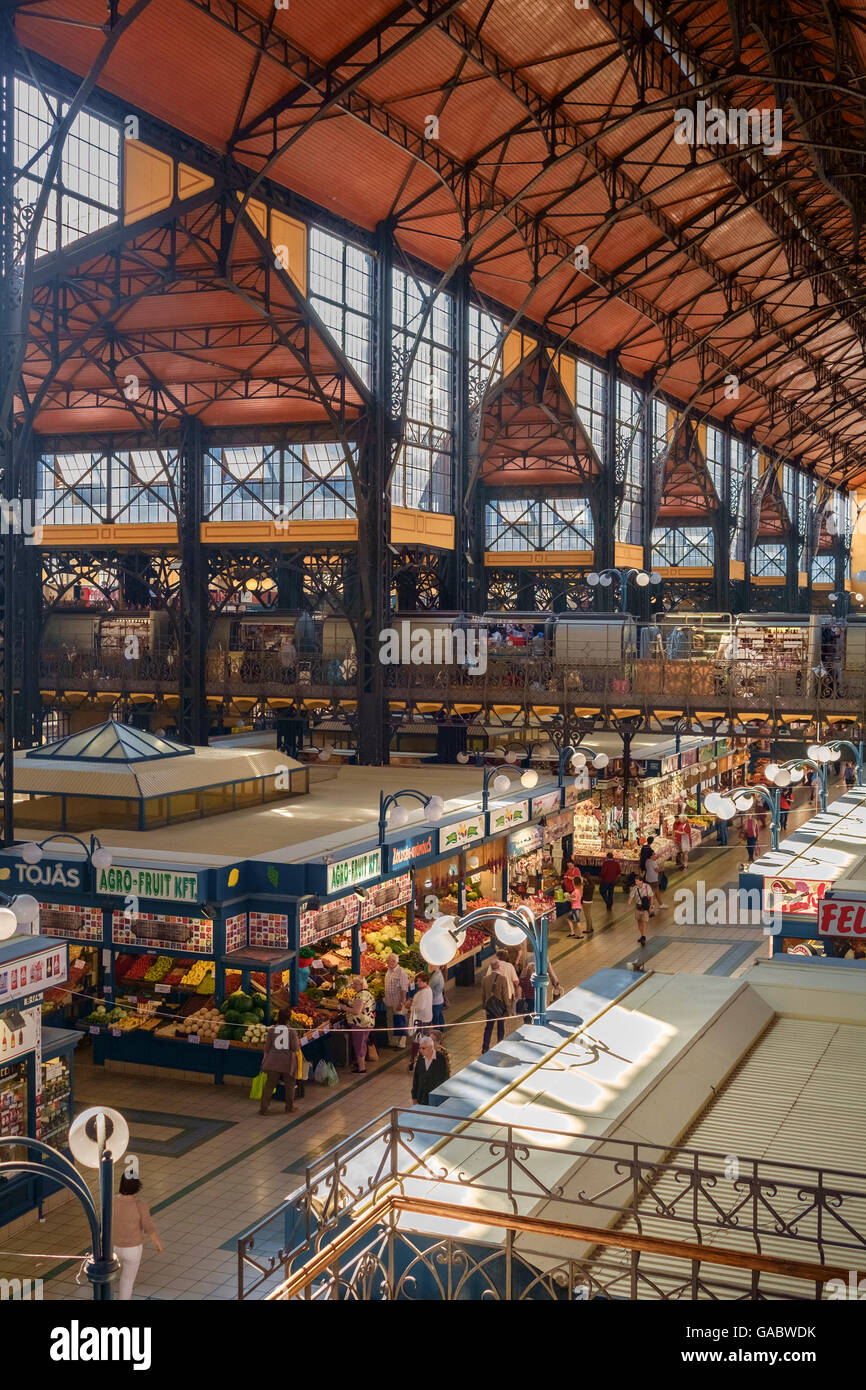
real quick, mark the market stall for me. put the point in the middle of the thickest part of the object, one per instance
(813, 888)
(36, 1065)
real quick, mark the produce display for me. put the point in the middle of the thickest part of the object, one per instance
(239, 1013)
(193, 978)
(138, 969)
(206, 1022)
(160, 968)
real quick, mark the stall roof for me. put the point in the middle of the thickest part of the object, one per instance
(339, 812)
(142, 775)
(826, 847)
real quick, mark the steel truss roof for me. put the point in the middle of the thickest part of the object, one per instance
(504, 135)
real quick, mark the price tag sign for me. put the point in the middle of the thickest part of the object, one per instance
(221, 1043)
(133, 998)
(117, 1032)
(163, 989)
(94, 1029)
(108, 989)
(193, 1038)
(314, 1035)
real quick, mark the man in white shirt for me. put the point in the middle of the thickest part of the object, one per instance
(396, 986)
(511, 977)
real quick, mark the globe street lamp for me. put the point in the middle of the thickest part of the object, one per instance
(96, 853)
(501, 780)
(577, 759)
(741, 799)
(829, 752)
(605, 578)
(392, 816)
(98, 1138)
(440, 944)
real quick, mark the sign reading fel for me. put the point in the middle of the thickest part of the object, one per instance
(842, 917)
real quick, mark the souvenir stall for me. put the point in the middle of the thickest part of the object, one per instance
(36, 1065)
(812, 890)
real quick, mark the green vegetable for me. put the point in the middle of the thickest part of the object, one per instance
(225, 1032)
(233, 1016)
(239, 1000)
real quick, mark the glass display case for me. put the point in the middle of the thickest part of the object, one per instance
(56, 1101)
(13, 1106)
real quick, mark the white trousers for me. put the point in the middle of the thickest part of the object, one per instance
(130, 1259)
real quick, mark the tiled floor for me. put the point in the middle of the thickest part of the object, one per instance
(212, 1166)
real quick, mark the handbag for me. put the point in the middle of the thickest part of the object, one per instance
(257, 1089)
(495, 1007)
(663, 881)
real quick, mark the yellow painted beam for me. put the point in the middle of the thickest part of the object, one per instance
(410, 526)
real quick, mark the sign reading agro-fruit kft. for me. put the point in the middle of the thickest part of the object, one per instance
(173, 885)
(358, 869)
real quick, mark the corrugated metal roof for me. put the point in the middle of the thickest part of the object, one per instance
(797, 1097)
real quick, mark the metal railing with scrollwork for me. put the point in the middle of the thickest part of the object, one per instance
(643, 1216)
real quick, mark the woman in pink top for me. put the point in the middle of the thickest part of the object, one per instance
(576, 907)
(131, 1222)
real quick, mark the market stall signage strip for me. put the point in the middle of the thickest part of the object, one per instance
(359, 869)
(41, 971)
(504, 817)
(842, 917)
(15, 1041)
(465, 832)
(524, 841)
(149, 883)
(544, 805)
(410, 851)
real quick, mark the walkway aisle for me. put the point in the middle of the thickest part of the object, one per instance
(212, 1165)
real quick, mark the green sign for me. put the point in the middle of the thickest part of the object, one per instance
(172, 884)
(358, 869)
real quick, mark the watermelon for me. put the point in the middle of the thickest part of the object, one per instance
(233, 1016)
(239, 1000)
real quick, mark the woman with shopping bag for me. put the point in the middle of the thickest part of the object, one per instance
(280, 1062)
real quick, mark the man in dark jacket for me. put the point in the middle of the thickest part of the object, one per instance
(431, 1069)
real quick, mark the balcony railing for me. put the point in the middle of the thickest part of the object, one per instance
(643, 1221)
(521, 678)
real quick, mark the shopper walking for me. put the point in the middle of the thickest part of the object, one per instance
(360, 1015)
(786, 802)
(751, 828)
(652, 875)
(437, 985)
(576, 909)
(608, 876)
(130, 1223)
(850, 775)
(396, 988)
(420, 1013)
(641, 896)
(586, 905)
(510, 974)
(494, 1001)
(682, 839)
(432, 1068)
(280, 1061)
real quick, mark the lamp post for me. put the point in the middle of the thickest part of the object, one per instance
(605, 578)
(502, 782)
(442, 941)
(835, 747)
(392, 816)
(577, 758)
(96, 853)
(98, 1138)
(726, 807)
